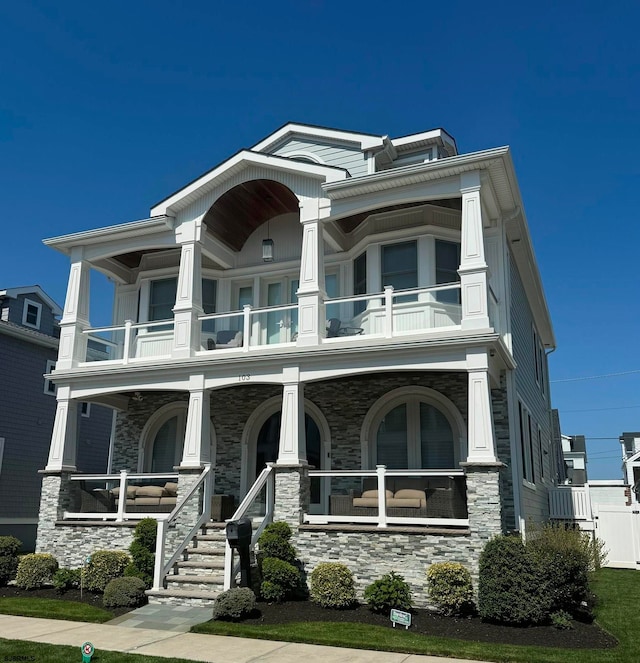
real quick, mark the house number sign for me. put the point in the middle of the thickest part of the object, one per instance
(400, 617)
(244, 377)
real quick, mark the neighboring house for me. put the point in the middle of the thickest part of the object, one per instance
(630, 444)
(574, 452)
(29, 336)
(344, 308)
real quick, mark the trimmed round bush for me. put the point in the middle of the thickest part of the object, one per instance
(271, 544)
(450, 588)
(145, 533)
(332, 585)
(36, 570)
(512, 588)
(9, 548)
(280, 528)
(234, 604)
(105, 565)
(279, 579)
(390, 591)
(66, 579)
(124, 593)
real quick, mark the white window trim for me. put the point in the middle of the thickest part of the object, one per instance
(51, 366)
(25, 309)
(86, 413)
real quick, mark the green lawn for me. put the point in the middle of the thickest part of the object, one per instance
(18, 650)
(617, 613)
(53, 609)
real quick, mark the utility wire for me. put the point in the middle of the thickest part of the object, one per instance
(597, 377)
(602, 409)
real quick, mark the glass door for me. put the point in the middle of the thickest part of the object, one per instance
(281, 326)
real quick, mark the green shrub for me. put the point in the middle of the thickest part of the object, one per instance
(450, 588)
(145, 533)
(561, 620)
(65, 579)
(234, 604)
(512, 588)
(280, 580)
(124, 593)
(332, 585)
(390, 591)
(271, 544)
(142, 550)
(9, 547)
(105, 565)
(280, 528)
(36, 570)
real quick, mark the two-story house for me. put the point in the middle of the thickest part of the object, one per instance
(28, 350)
(340, 330)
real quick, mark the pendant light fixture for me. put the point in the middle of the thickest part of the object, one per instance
(267, 247)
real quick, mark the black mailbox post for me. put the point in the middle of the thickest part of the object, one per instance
(239, 534)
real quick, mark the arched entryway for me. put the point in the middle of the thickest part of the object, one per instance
(261, 441)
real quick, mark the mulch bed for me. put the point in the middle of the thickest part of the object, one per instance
(89, 598)
(581, 636)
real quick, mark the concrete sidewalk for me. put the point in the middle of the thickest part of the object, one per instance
(192, 646)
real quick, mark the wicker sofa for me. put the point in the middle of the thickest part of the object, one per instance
(406, 497)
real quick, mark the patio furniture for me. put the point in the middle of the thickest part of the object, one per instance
(225, 338)
(335, 328)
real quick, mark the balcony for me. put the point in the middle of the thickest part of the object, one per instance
(357, 319)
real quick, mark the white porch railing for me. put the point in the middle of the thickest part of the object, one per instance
(162, 567)
(264, 483)
(444, 497)
(104, 501)
(570, 503)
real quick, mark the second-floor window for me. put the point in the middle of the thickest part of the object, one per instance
(400, 265)
(31, 314)
(360, 281)
(447, 264)
(162, 298)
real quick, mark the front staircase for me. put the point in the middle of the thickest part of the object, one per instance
(198, 578)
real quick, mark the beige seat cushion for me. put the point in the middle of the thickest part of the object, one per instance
(371, 502)
(171, 488)
(409, 493)
(404, 502)
(149, 491)
(131, 491)
(374, 494)
(147, 501)
(168, 500)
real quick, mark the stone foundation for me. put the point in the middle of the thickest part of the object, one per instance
(292, 493)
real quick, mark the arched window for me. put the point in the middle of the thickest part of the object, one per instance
(413, 428)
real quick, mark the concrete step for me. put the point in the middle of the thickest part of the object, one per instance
(202, 583)
(185, 597)
(204, 555)
(200, 567)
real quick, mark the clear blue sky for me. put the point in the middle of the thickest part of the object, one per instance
(107, 107)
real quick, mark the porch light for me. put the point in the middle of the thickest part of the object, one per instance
(267, 250)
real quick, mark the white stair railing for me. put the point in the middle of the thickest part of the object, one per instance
(266, 479)
(161, 569)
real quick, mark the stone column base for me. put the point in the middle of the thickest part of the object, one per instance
(292, 493)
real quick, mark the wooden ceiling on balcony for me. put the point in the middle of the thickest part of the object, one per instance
(243, 209)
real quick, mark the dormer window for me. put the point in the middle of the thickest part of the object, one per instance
(31, 314)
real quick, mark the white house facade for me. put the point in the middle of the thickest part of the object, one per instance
(324, 314)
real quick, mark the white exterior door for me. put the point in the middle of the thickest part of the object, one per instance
(281, 326)
(619, 528)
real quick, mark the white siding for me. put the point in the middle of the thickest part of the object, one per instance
(350, 158)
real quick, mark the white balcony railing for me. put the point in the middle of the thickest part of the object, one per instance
(388, 314)
(384, 497)
(570, 503)
(99, 496)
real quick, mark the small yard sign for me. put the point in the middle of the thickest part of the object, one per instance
(400, 617)
(87, 650)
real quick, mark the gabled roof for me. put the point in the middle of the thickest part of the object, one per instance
(13, 293)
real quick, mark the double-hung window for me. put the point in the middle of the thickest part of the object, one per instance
(162, 299)
(527, 443)
(31, 314)
(399, 267)
(447, 264)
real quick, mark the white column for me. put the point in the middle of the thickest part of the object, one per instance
(62, 452)
(75, 317)
(197, 439)
(482, 448)
(311, 288)
(186, 337)
(293, 445)
(473, 267)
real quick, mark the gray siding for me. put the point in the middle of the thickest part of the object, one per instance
(534, 499)
(350, 158)
(48, 324)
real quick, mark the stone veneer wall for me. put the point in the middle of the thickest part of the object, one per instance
(500, 406)
(371, 554)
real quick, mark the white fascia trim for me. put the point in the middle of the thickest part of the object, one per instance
(64, 243)
(365, 141)
(240, 161)
(396, 177)
(29, 290)
(405, 143)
